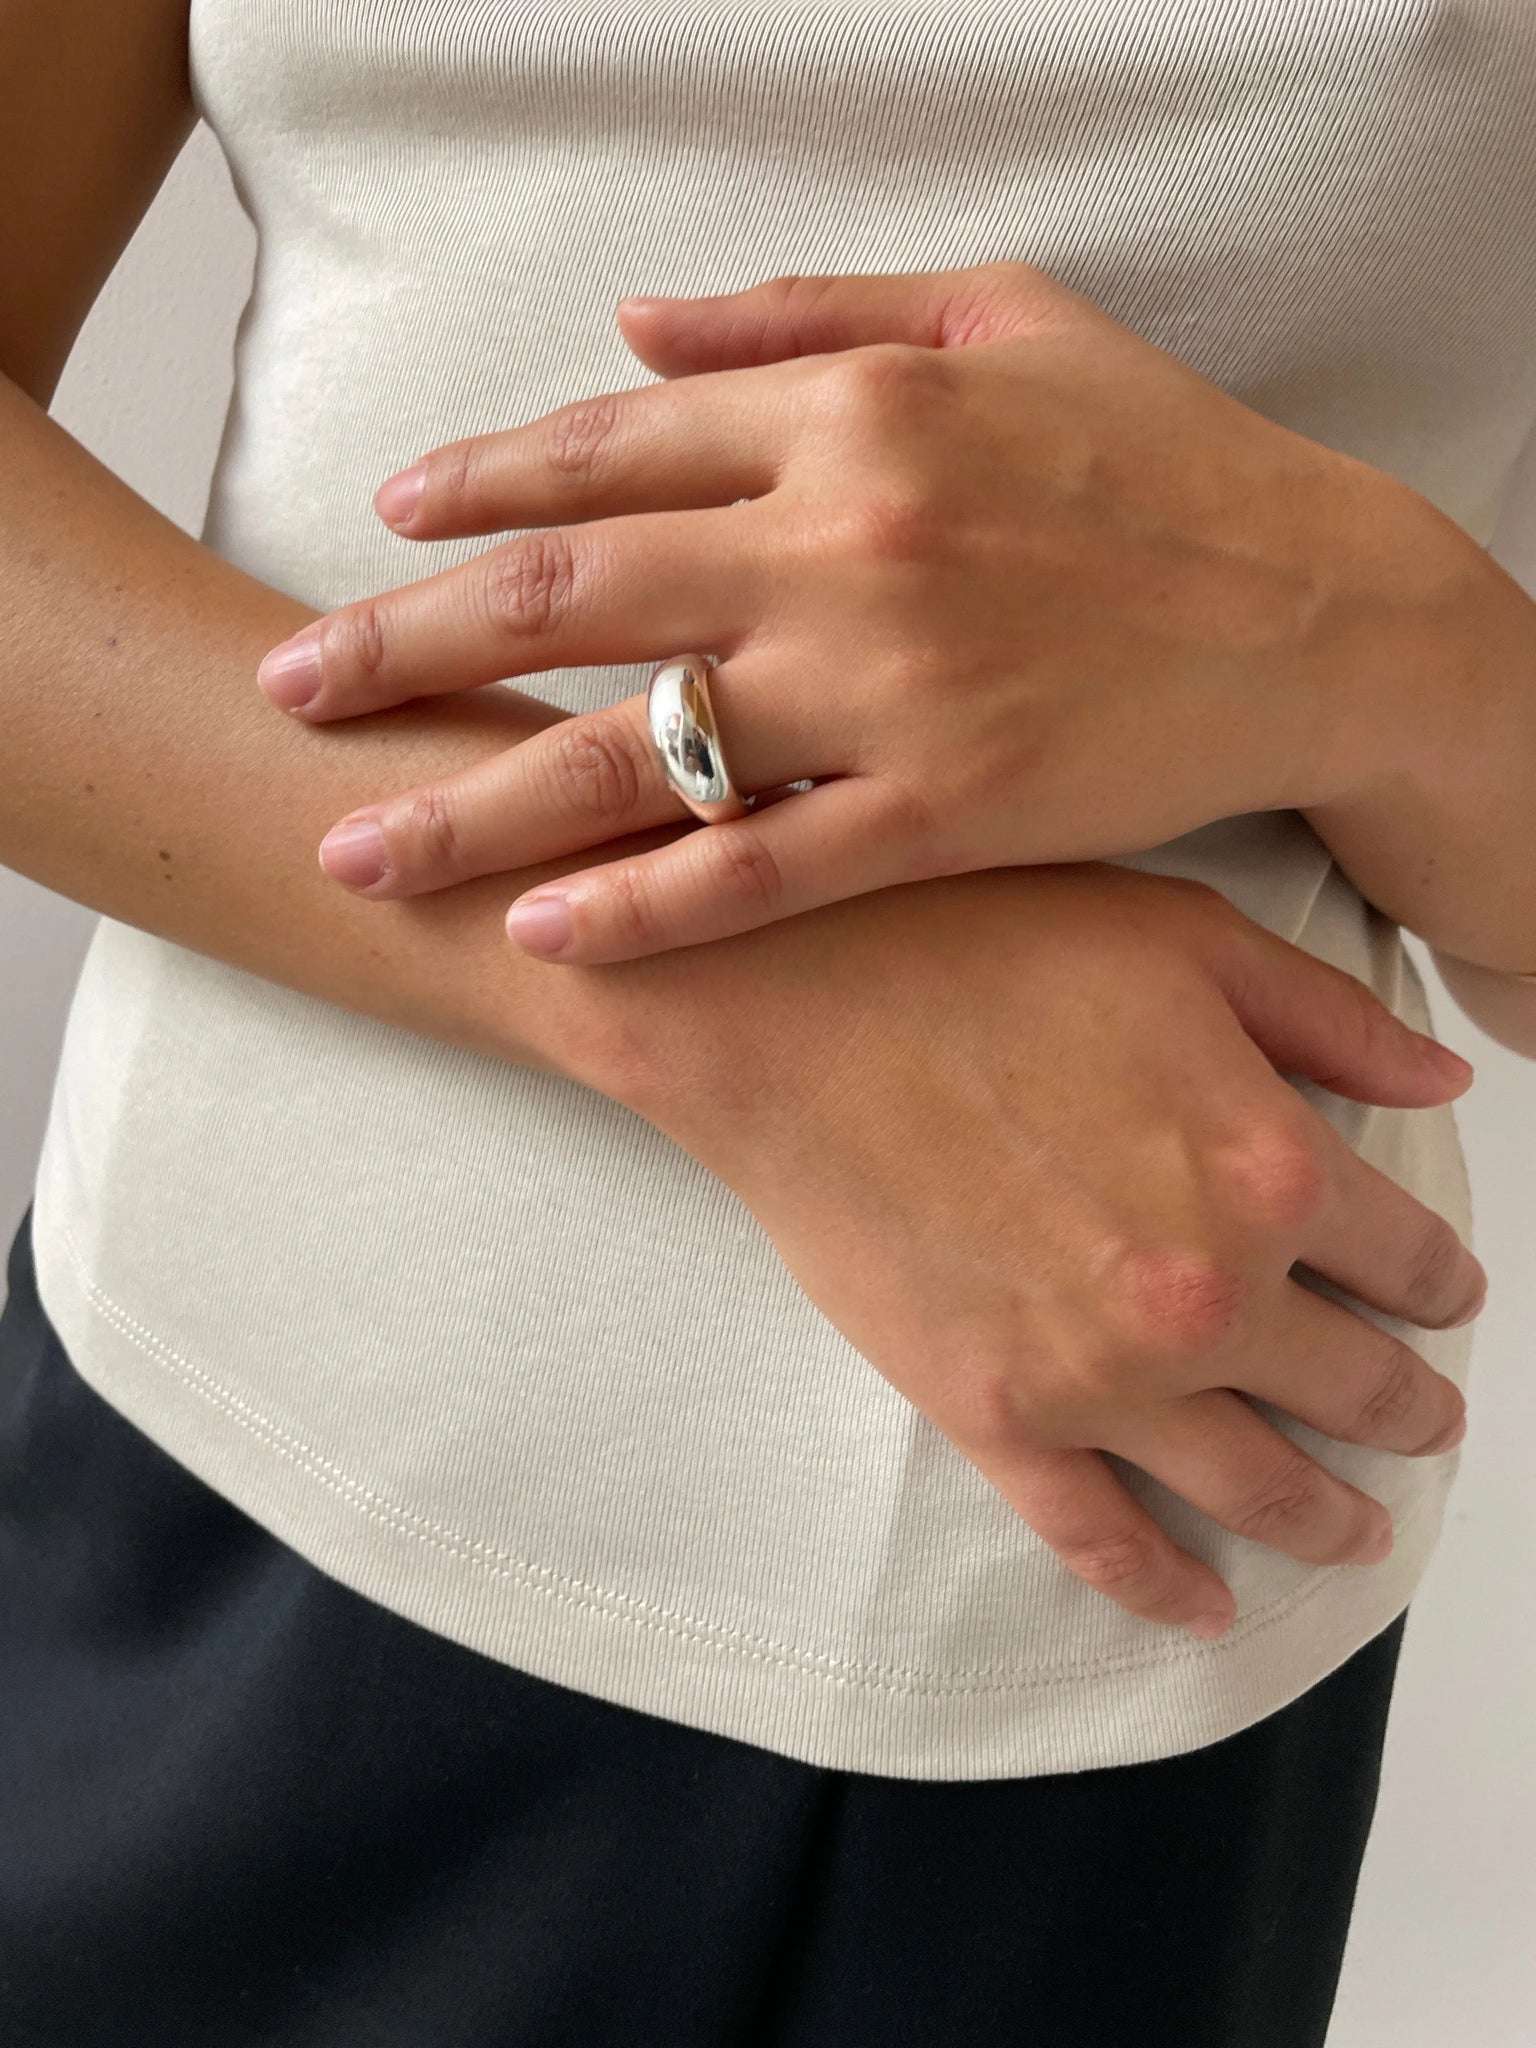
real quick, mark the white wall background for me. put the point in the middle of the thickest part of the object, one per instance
(1444, 1947)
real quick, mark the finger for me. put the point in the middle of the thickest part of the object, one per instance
(562, 597)
(582, 783)
(1381, 1244)
(1344, 1376)
(1313, 1020)
(656, 448)
(579, 784)
(1075, 1504)
(1218, 1453)
(843, 838)
(801, 316)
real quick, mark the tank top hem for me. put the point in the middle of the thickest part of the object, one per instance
(797, 1700)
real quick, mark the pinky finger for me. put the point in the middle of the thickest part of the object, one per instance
(842, 838)
(1074, 1503)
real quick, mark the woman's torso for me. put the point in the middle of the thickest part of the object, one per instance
(399, 1300)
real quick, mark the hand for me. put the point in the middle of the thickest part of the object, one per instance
(1021, 1137)
(1008, 583)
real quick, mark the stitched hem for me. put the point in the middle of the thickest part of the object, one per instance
(982, 1722)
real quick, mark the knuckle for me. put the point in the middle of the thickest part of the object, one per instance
(744, 865)
(579, 436)
(982, 1410)
(529, 584)
(629, 909)
(1004, 289)
(431, 830)
(358, 637)
(1182, 1302)
(1393, 1392)
(800, 297)
(1274, 1173)
(1011, 274)
(1279, 1509)
(1113, 1563)
(455, 474)
(880, 384)
(1437, 1289)
(597, 771)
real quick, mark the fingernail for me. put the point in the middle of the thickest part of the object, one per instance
(541, 924)
(397, 498)
(1448, 1441)
(290, 675)
(353, 852)
(1209, 1626)
(643, 305)
(1379, 1547)
(1449, 1063)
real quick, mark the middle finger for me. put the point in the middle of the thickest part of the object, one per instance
(1380, 1243)
(615, 590)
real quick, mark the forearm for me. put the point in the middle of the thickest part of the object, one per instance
(1503, 1005)
(1437, 830)
(143, 774)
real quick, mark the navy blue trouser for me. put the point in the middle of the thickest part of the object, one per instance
(239, 1804)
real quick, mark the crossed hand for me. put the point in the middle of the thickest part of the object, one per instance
(989, 584)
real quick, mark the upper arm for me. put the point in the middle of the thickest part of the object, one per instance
(95, 102)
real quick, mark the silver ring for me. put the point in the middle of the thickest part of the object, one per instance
(682, 722)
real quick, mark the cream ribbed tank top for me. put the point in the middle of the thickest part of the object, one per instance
(396, 1300)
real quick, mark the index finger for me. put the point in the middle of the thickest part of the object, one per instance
(656, 448)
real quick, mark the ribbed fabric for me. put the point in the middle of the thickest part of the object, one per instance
(397, 1301)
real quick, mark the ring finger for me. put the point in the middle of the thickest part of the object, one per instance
(579, 784)
(1218, 1453)
(1341, 1374)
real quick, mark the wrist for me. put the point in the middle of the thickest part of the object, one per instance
(1447, 678)
(647, 1033)
(1402, 646)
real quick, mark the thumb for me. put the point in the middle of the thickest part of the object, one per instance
(809, 316)
(1312, 1020)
